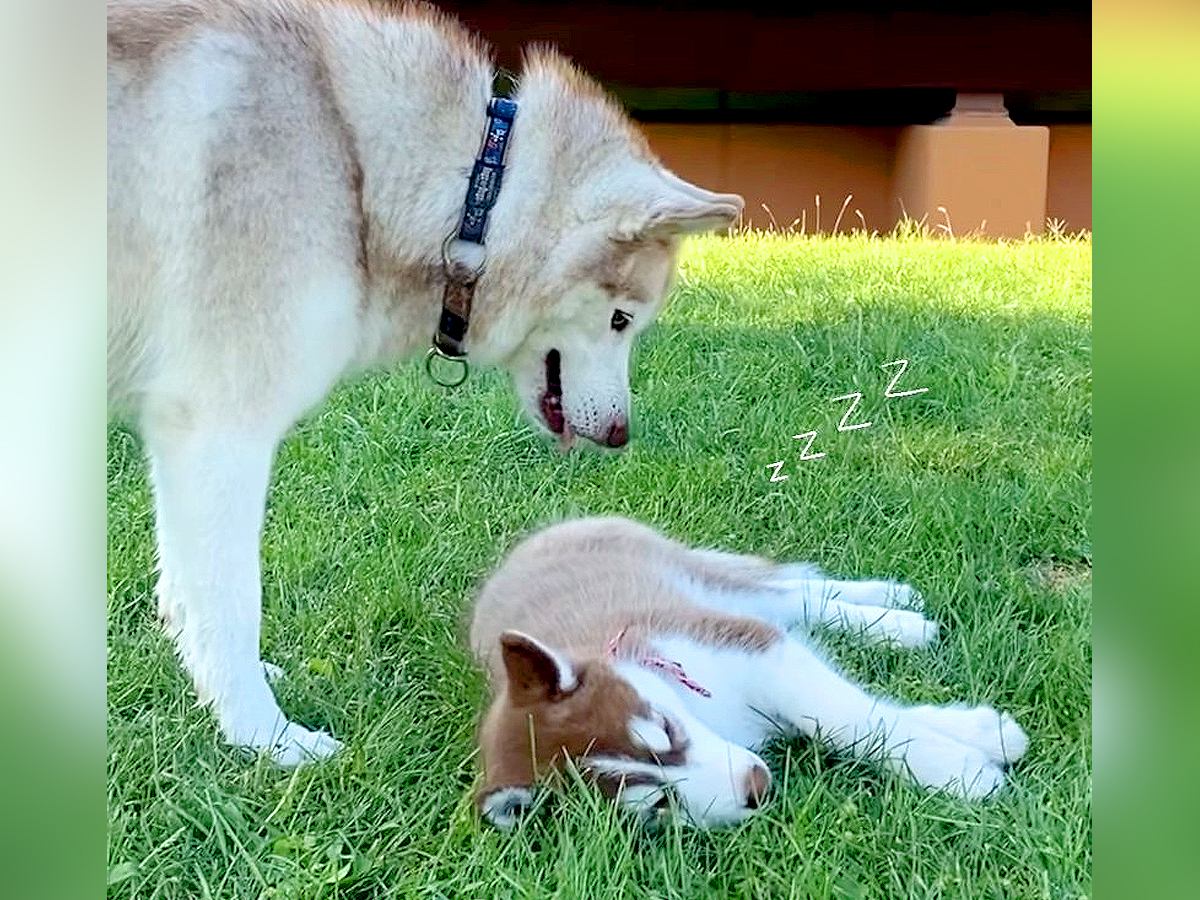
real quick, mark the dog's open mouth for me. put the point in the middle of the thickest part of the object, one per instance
(551, 404)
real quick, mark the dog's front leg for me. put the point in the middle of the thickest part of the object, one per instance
(962, 750)
(210, 489)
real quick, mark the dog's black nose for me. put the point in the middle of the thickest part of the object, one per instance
(618, 434)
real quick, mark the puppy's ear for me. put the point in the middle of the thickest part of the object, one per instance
(502, 805)
(672, 207)
(536, 673)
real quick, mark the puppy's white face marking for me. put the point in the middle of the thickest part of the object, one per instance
(650, 735)
(709, 782)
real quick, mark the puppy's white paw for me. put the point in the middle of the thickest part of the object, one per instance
(976, 782)
(888, 594)
(1013, 740)
(997, 734)
(915, 630)
(273, 672)
(898, 595)
(940, 763)
(903, 628)
(908, 597)
(298, 746)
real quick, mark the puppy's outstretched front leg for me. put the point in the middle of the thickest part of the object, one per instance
(963, 751)
(210, 487)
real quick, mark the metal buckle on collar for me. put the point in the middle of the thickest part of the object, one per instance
(449, 264)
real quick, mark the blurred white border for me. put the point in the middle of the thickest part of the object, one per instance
(52, 432)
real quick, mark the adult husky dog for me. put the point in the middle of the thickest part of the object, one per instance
(282, 178)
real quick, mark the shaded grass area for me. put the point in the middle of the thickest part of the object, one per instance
(391, 503)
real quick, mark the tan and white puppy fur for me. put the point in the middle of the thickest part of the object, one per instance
(574, 628)
(281, 176)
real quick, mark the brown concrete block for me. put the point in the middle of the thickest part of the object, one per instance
(988, 174)
(787, 167)
(1069, 194)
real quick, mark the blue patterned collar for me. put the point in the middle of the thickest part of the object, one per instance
(482, 190)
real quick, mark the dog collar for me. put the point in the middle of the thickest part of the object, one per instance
(668, 667)
(460, 275)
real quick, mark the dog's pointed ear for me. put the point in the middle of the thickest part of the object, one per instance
(535, 672)
(673, 207)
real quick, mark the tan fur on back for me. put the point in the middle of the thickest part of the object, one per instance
(577, 585)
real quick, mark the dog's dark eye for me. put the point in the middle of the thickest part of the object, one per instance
(620, 320)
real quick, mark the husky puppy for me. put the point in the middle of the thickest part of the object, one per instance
(282, 178)
(657, 669)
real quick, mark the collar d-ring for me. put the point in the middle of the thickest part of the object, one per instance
(432, 367)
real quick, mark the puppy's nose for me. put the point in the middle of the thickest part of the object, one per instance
(618, 434)
(758, 781)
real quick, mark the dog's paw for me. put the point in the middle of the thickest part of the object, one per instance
(940, 763)
(995, 733)
(272, 672)
(298, 746)
(288, 746)
(888, 594)
(901, 628)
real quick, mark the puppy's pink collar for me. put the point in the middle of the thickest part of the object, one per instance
(667, 666)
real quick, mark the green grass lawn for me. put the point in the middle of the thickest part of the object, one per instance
(391, 503)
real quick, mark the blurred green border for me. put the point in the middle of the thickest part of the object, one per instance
(1147, 335)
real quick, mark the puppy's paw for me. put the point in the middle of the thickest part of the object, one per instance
(995, 733)
(999, 735)
(940, 763)
(888, 594)
(914, 630)
(297, 746)
(898, 595)
(901, 628)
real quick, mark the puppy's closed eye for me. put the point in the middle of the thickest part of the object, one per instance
(652, 734)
